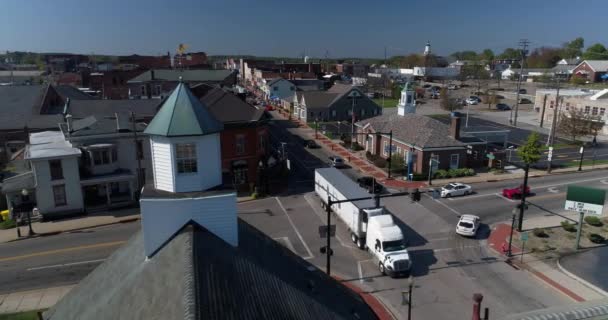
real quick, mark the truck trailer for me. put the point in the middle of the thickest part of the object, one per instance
(370, 226)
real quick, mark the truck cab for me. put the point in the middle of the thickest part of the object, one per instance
(386, 242)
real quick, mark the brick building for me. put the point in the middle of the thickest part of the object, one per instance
(591, 70)
(112, 84)
(158, 83)
(420, 138)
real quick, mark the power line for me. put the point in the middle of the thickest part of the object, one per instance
(523, 44)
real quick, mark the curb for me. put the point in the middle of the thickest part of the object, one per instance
(52, 233)
(581, 280)
(379, 308)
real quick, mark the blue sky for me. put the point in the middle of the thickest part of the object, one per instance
(287, 28)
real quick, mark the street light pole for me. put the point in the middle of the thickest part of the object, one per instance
(390, 152)
(523, 199)
(510, 253)
(328, 247)
(352, 120)
(409, 303)
(554, 120)
(580, 162)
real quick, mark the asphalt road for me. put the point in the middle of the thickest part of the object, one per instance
(548, 196)
(58, 260)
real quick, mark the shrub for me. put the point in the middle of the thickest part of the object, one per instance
(470, 172)
(454, 173)
(540, 233)
(594, 221)
(8, 224)
(380, 162)
(596, 238)
(441, 174)
(419, 177)
(357, 147)
(570, 227)
(370, 156)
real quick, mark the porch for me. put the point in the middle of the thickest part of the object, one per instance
(108, 191)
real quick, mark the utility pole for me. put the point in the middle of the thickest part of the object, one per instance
(390, 152)
(523, 43)
(352, 120)
(542, 114)
(137, 153)
(551, 137)
(328, 251)
(522, 205)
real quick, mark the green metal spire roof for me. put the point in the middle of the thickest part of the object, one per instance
(182, 114)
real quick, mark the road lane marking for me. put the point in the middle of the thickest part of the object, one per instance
(50, 252)
(552, 190)
(314, 208)
(310, 255)
(445, 205)
(287, 244)
(501, 196)
(65, 265)
(448, 249)
(604, 181)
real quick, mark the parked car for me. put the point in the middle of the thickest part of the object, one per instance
(311, 144)
(452, 86)
(435, 95)
(436, 88)
(523, 91)
(468, 225)
(515, 192)
(370, 184)
(455, 189)
(524, 101)
(471, 101)
(337, 162)
(460, 102)
(269, 108)
(503, 107)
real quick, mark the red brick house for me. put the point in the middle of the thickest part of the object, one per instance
(591, 70)
(112, 84)
(244, 140)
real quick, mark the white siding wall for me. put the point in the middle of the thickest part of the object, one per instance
(209, 164)
(127, 158)
(44, 190)
(162, 163)
(161, 218)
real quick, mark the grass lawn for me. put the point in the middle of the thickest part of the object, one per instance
(388, 102)
(29, 315)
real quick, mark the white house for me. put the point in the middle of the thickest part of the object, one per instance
(279, 89)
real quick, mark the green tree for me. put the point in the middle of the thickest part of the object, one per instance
(397, 163)
(530, 152)
(543, 57)
(596, 52)
(573, 48)
(487, 55)
(510, 53)
(464, 55)
(577, 123)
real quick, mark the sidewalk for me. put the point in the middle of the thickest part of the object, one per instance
(355, 161)
(32, 300)
(99, 219)
(547, 271)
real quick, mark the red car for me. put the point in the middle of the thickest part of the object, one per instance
(515, 192)
(269, 108)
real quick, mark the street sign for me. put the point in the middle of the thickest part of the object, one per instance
(323, 231)
(288, 164)
(523, 236)
(582, 149)
(586, 200)
(550, 153)
(469, 149)
(491, 156)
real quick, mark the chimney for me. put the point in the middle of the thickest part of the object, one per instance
(152, 74)
(455, 127)
(68, 121)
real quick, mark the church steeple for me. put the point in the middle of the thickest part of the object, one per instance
(427, 48)
(407, 102)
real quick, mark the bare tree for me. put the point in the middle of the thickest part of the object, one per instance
(447, 103)
(576, 123)
(490, 98)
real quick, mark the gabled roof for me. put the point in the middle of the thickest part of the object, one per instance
(596, 65)
(413, 129)
(73, 93)
(107, 108)
(229, 109)
(182, 114)
(185, 75)
(197, 275)
(317, 99)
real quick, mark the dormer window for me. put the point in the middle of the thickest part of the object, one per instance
(185, 157)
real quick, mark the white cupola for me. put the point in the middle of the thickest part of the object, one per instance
(427, 48)
(407, 102)
(185, 143)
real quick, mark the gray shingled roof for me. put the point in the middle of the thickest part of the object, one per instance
(187, 75)
(597, 65)
(414, 129)
(19, 182)
(18, 105)
(197, 275)
(73, 93)
(317, 99)
(228, 108)
(107, 108)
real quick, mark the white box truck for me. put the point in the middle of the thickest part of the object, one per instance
(370, 227)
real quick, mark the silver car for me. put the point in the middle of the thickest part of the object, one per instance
(455, 189)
